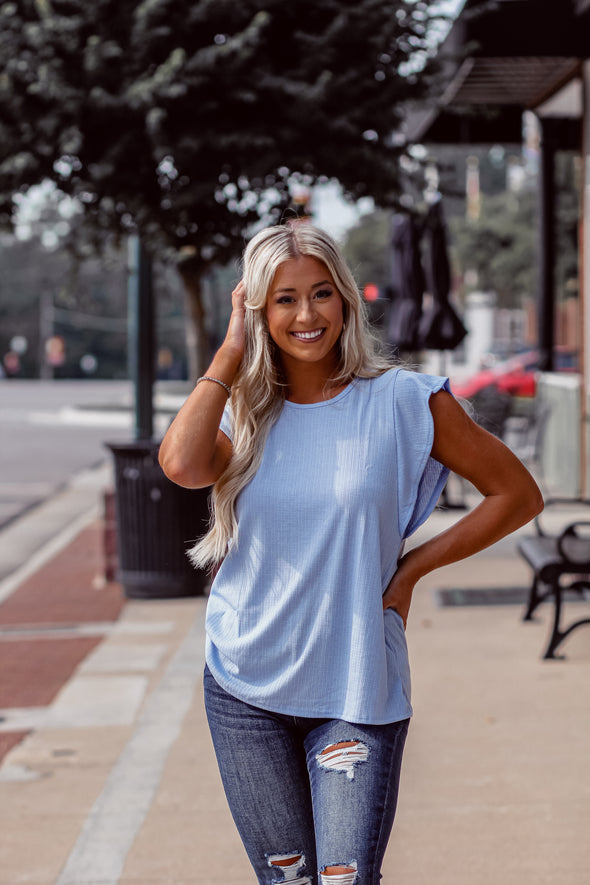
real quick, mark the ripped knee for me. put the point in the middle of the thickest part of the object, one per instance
(290, 865)
(343, 756)
(339, 874)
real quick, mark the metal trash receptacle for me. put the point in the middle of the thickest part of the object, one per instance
(157, 521)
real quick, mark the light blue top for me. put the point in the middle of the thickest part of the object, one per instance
(295, 622)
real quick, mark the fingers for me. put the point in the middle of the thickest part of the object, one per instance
(402, 610)
(398, 597)
(238, 296)
(234, 337)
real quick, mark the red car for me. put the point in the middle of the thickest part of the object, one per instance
(516, 376)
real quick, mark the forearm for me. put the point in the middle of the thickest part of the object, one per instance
(194, 453)
(189, 451)
(494, 518)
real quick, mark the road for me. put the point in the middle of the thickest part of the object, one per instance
(51, 430)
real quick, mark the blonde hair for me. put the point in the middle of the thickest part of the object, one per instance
(258, 391)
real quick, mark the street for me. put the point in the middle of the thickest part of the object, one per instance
(51, 430)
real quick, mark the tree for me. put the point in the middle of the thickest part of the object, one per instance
(188, 120)
(502, 244)
(368, 249)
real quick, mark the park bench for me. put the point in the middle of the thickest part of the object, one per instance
(561, 566)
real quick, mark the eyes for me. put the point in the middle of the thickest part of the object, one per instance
(320, 295)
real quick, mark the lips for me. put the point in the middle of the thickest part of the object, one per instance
(308, 336)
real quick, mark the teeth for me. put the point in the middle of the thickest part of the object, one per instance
(308, 336)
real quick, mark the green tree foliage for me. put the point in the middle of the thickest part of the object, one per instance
(179, 116)
(500, 245)
(188, 119)
(368, 243)
(368, 250)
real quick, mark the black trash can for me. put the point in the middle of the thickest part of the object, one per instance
(157, 521)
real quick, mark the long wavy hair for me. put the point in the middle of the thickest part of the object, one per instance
(259, 389)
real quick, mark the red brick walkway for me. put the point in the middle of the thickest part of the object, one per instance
(66, 591)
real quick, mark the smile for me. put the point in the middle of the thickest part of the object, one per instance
(308, 336)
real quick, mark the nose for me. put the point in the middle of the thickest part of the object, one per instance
(305, 310)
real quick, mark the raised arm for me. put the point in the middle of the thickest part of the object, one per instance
(194, 452)
(511, 498)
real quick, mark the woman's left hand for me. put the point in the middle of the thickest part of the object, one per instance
(398, 594)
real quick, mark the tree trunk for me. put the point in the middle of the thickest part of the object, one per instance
(197, 344)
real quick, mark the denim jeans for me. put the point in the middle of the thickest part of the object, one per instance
(313, 799)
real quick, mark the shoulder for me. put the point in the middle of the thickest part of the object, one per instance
(400, 386)
(410, 383)
(378, 383)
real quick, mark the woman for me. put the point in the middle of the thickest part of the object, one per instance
(325, 459)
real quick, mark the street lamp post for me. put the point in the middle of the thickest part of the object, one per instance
(46, 322)
(141, 336)
(155, 517)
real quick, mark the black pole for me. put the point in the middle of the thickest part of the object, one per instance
(546, 282)
(141, 336)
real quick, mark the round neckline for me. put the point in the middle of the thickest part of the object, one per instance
(324, 402)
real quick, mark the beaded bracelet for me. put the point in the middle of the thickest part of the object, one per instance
(217, 381)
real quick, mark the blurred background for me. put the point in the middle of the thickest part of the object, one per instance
(444, 144)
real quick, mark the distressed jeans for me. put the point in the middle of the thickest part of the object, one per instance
(313, 799)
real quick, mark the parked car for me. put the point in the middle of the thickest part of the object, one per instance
(516, 376)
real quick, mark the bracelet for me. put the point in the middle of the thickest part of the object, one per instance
(217, 381)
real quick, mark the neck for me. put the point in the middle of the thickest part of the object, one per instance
(311, 383)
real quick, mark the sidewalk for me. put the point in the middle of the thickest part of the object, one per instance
(110, 778)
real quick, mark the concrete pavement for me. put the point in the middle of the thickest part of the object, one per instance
(111, 778)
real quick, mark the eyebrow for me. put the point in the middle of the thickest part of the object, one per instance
(315, 286)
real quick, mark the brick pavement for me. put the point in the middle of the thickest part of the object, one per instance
(39, 648)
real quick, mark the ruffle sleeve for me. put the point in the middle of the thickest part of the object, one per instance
(421, 479)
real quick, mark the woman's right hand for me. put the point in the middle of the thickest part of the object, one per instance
(234, 337)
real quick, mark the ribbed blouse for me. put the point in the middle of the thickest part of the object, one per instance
(295, 622)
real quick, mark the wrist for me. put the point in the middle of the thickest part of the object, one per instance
(226, 363)
(410, 564)
(214, 380)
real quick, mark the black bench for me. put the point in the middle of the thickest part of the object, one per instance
(553, 558)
